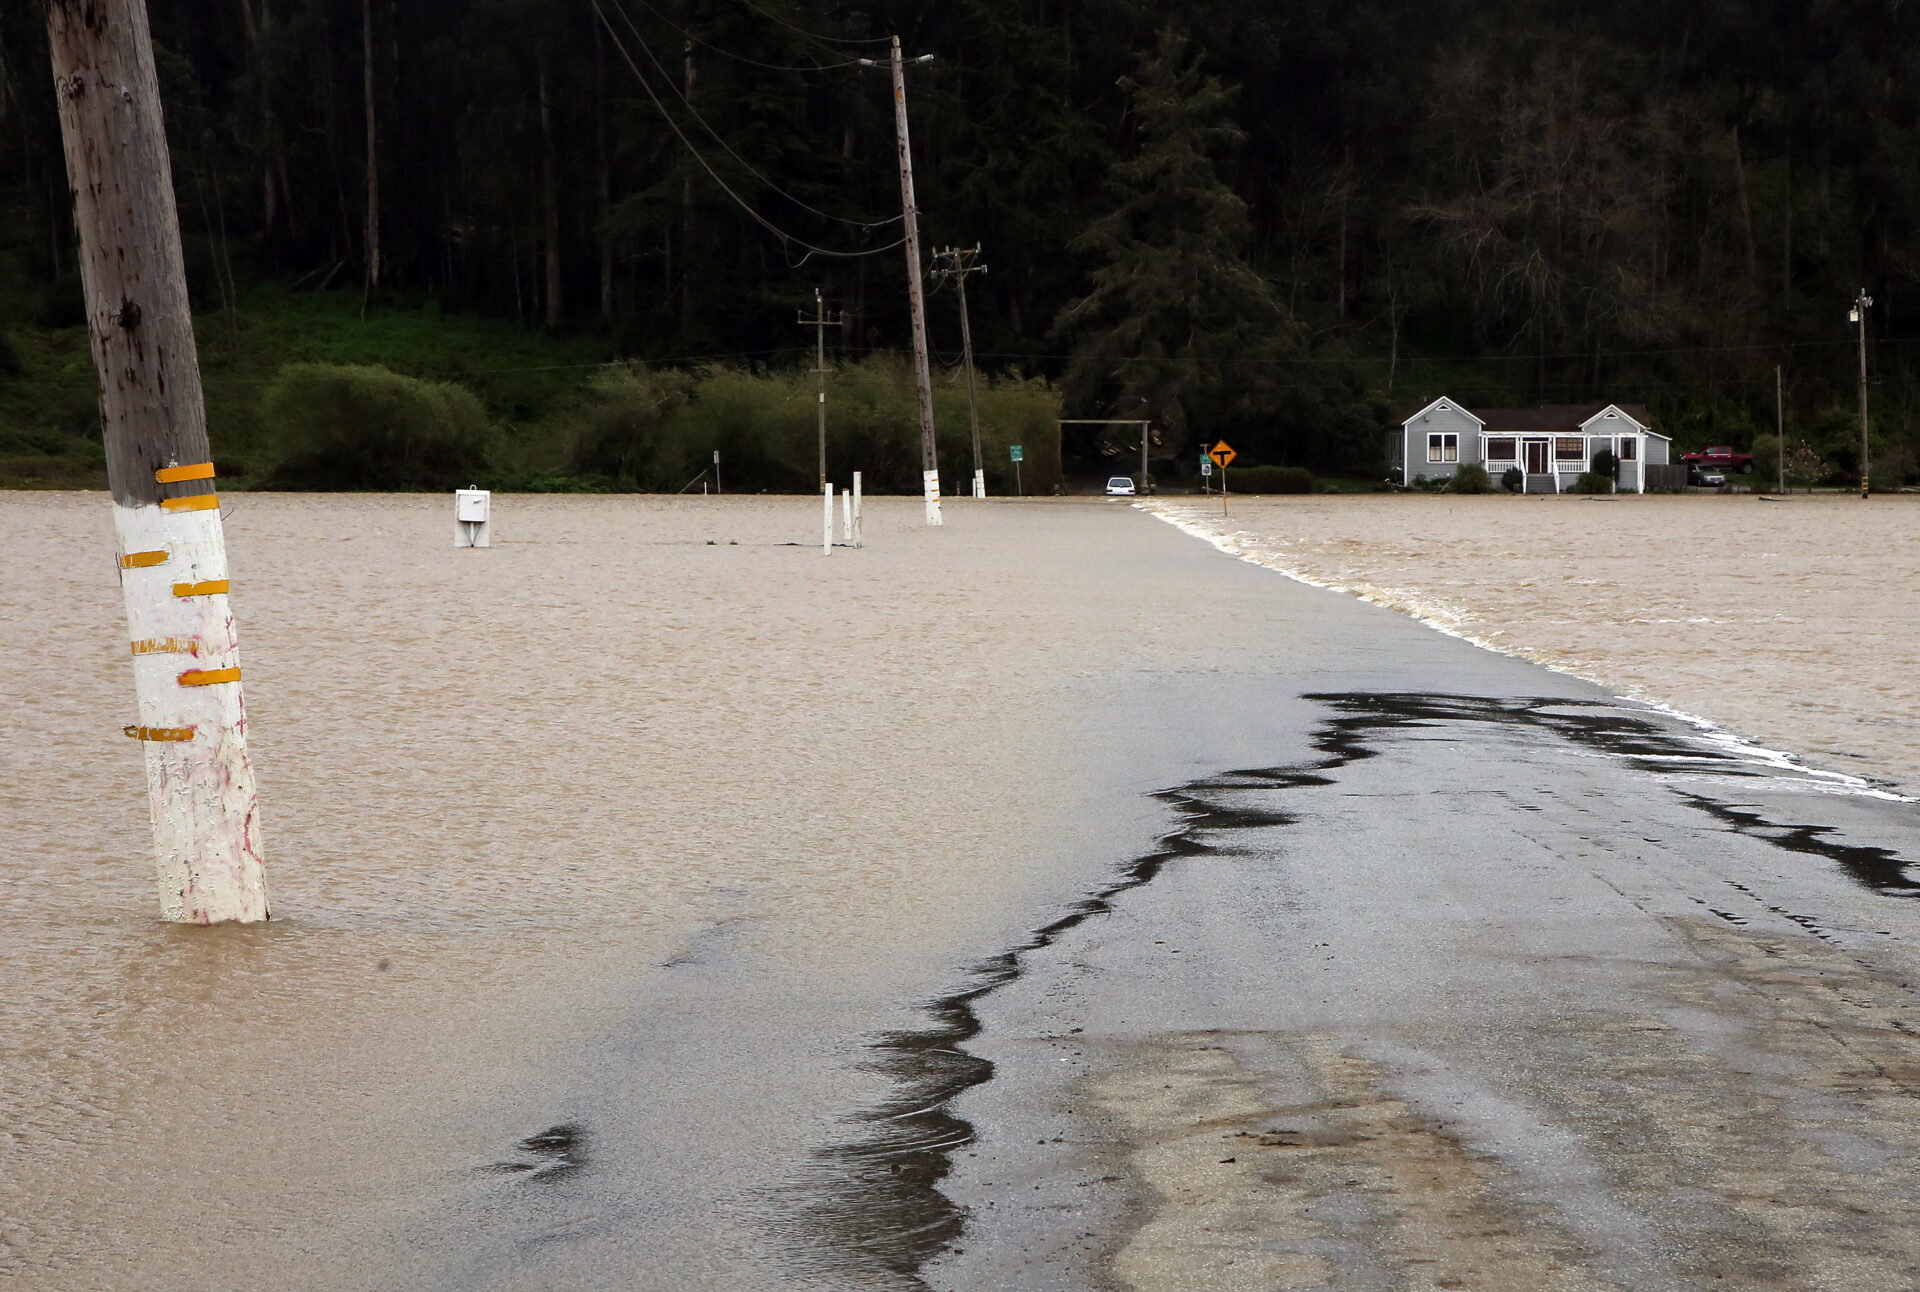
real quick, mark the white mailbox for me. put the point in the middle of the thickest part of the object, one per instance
(470, 518)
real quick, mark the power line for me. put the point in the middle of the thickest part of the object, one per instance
(741, 58)
(694, 112)
(726, 188)
(1765, 346)
(817, 39)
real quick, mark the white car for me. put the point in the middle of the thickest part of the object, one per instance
(1120, 487)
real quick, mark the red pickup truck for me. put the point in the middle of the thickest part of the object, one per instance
(1721, 456)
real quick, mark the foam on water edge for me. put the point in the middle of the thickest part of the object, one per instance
(1446, 619)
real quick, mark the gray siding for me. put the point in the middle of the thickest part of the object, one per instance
(1656, 451)
(1437, 420)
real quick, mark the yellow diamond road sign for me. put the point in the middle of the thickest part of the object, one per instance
(1222, 453)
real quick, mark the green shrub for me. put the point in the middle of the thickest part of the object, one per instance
(9, 358)
(1470, 477)
(1513, 480)
(644, 429)
(1270, 480)
(1606, 463)
(336, 426)
(623, 431)
(1592, 482)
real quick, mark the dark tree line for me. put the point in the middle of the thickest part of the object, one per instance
(1510, 200)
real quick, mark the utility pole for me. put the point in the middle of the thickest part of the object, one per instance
(192, 724)
(916, 295)
(958, 264)
(1861, 304)
(820, 323)
(1779, 427)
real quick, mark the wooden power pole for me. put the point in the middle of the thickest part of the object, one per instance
(916, 295)
(1779, 427)
(820, 323)
(1861, 304)
(956, 263)
(192, 723)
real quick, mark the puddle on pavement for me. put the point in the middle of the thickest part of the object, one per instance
(872, 1208)
(556, 1151)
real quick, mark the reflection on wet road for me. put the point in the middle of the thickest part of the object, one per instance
(1490, 992)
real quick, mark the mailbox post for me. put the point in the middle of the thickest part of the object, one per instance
(470, 518)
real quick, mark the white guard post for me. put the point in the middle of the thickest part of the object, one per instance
(980, 483)
(826, 519)
(930, 481)
(846, 516)
(470, 518)
(193, 721)
(856, 509)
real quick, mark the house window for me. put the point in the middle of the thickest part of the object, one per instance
(1502, 449)
(1629, 448)
(1443, 447)
(1570, 448)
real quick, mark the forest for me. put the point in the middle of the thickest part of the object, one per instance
(1270, 222)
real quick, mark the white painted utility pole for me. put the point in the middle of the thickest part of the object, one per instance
(826, 519)
(819, 323)
(1779, 428)
(956, 263)
(1861, 304)
(916, 295)
(192, 724)
(856, 509)
(846, 517)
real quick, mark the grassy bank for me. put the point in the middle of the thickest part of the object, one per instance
(303, 393)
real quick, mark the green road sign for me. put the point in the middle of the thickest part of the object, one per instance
(1014, 453)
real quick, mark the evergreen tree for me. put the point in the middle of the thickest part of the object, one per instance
(1179, 326)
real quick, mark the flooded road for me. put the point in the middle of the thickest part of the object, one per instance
(1794, 622)
(596, 858)
(660, 903)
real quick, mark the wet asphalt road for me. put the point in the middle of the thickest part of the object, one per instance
(1443, 970)
(1484, 979)
(1336, 953)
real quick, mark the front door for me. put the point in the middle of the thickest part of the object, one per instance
(1536, 457)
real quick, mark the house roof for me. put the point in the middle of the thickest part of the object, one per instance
(1547, 419)
(1408, 414)
(1554, 419)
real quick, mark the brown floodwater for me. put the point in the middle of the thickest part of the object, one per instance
(600, 858)
(595, 858)
(1792, 622)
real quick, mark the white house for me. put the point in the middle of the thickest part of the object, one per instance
(1550, 445)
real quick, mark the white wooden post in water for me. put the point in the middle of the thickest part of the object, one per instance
(192, 724)
(826, 519)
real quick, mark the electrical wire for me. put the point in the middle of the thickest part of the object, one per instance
(818, 39)
(671, 25)
(761, 220)
(1786, 346)
(694, 112)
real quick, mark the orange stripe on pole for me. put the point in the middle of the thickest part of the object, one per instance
(199, 502)
(166, 646)
(209, 676)
(174, 475)
(140, 560)
(207, 588)
(159, 733)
